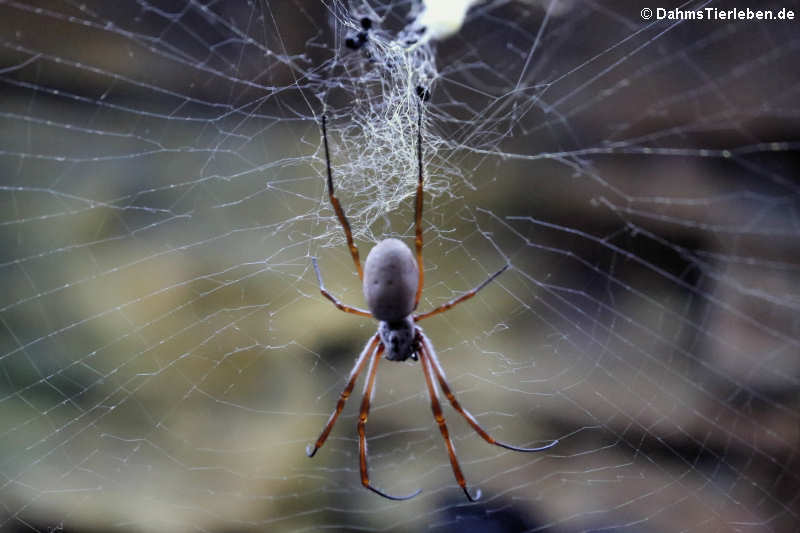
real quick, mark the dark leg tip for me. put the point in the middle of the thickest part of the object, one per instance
(519, 449)
(311, 450)
(390, 497)
(472, 498)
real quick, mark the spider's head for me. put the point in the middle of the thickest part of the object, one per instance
(399, 339)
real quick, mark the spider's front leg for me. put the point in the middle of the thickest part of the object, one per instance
(418, 209)
(337, 206)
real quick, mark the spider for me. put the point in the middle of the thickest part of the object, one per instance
(392, 282)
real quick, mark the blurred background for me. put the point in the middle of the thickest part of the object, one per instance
(165, 355)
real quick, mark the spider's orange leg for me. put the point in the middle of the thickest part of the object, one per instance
(337, 207)
(466, 296)
(368, 349)
(436, 407)
(418, 208)
(437, 369)
(336, 302)
(362, 423)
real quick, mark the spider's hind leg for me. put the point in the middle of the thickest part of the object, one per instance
(427, 368)
(369, 387)
(437, 369)
(351, 382)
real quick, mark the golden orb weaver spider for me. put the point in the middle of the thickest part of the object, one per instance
(392, 282)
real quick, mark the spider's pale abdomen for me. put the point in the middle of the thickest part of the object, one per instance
(390, 280)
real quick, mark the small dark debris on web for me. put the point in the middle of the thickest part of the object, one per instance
(423, 93)
(361, 38)
(420, 31)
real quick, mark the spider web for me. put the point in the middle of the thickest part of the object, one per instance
(166, 356)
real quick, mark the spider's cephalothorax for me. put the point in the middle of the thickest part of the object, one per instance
(399, 339)
(392, 279)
